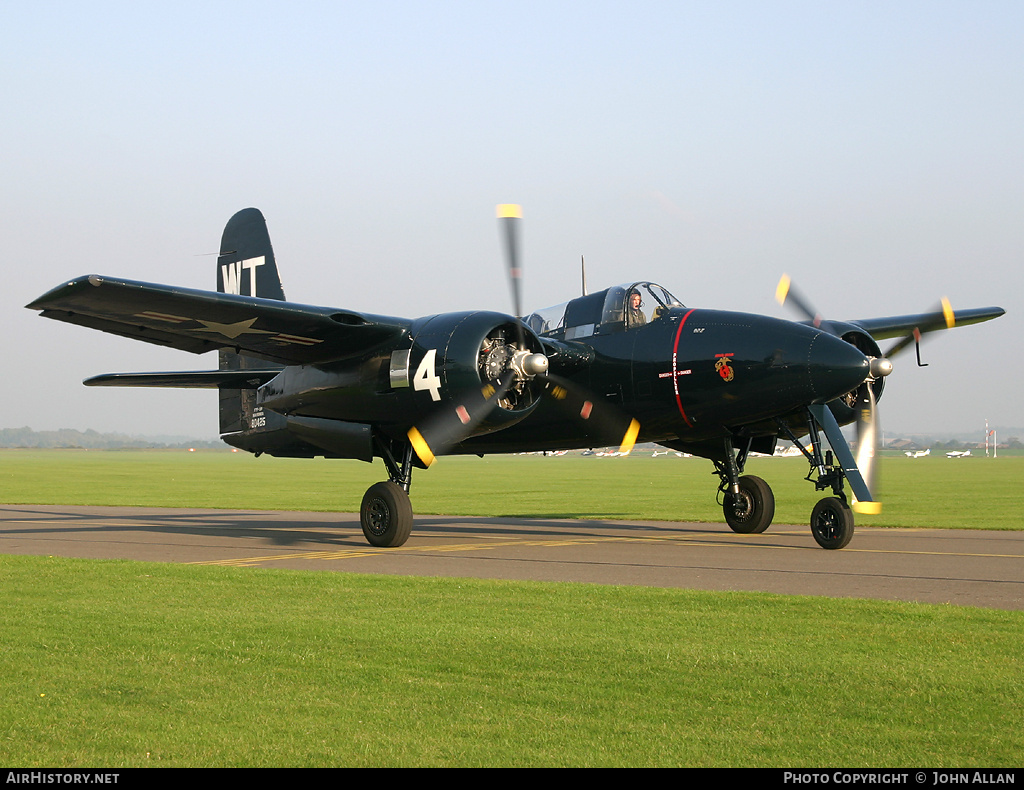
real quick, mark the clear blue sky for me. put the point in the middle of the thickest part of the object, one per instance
(873, 150)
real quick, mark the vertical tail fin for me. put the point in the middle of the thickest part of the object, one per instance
(246, 263)
(246, 266)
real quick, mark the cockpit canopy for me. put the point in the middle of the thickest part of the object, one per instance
(603, 312)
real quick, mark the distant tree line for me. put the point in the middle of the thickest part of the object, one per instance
(69, 438)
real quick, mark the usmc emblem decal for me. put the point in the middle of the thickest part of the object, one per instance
(724, 368)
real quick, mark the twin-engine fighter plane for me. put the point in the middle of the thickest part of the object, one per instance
(626, 364)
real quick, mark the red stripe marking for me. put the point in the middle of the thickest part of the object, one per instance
(675, 371)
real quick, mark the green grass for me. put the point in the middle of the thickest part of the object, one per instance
(115, 664)
(974, 493)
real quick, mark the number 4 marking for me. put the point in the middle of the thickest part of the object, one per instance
(426, 378)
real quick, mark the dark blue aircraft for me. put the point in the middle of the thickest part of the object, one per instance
(623, 365)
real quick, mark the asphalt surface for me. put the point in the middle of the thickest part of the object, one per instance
(960, 567)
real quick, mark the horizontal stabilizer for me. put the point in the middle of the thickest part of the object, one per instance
(196, 379)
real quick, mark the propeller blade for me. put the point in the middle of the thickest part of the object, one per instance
(606, 423)
(913, 337)
(509, 215)
(869, 433)
(942, 317)
(786, 292)
(452, 423)
(824, 417)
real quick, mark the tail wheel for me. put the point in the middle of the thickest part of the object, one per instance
(832, 523)
(386, 515)
(752, 510)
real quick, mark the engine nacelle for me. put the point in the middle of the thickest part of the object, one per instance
(844, 408)
(455, 353)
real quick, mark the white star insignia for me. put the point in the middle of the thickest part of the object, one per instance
(232, 330)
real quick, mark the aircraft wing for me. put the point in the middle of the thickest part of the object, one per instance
(902, 325)
(199, 321)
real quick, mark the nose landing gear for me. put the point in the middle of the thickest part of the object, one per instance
(832, 517)
(832, 523)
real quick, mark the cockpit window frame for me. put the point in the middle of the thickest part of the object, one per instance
(616, 309)
(580, 318)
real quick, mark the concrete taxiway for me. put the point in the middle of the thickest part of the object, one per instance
(960, 567)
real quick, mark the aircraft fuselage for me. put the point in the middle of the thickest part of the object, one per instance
(690, 375)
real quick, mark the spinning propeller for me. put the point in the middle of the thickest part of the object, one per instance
(862, 472)
(514, 368)
(941, 317)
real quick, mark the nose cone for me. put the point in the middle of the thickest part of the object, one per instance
(835, 367)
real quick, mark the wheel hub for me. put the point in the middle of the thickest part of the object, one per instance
(742, 505)
(379, 516)
(828, 525)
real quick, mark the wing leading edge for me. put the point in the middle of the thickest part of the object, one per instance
(901, 325)
(199, 321)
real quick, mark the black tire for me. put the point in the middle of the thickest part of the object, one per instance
(752, 511)
(832, 523)
(386, 515)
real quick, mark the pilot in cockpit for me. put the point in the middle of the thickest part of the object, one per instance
(634, 315)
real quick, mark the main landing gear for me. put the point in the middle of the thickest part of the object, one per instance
(747, 501)
(832, 517)
(386, 512)
(749, 504)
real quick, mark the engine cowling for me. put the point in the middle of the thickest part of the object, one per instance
(454, 353)
(844, 408)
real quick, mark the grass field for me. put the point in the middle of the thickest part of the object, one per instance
(135, 664)
(116, 664)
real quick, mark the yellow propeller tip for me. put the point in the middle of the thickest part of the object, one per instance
(507, 210)
(630, 438)
(947, 312)
(868, 508)
(419, 444)
(782, 289)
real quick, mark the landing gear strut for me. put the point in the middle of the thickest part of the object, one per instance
(747, 501)
(386, 512)
(832, 517)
